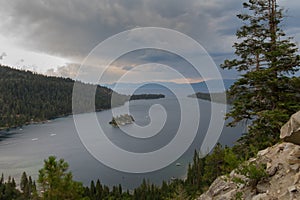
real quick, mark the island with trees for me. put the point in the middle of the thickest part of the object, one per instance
(27, 97)
(146, 96)
(121, 120)
(220, 97)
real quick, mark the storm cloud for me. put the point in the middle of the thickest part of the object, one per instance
(72, 28)
(3, 55)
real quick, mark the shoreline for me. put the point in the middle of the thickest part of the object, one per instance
(7, 129)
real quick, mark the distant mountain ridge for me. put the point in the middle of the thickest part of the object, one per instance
(159, 87)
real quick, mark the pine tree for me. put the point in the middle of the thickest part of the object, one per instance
(213, 164)
(33, 191)
(24, 182)
(2, 179)
(265, 94)
(56, 182)
(99, 190)
(92, 190)
(105, 191)
(195, 174)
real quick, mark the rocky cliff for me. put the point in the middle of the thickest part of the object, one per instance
(281, 165)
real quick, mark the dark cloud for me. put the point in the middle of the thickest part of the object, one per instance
(127, 68)
(144, 56)
(3, 55)
(72, 27)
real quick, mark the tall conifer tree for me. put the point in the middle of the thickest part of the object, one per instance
(266, 93)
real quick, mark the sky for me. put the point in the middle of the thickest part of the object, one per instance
(54, 37)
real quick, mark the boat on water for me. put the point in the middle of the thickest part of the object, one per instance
(178, 164)
(121, 120)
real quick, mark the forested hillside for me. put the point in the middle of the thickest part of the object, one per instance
(220, 97)
(27, 97)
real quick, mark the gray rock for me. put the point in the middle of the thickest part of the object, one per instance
(204, 197)
(228, 195)
(294, 156)
(260, 197)
(292, 189)
(295, 167)
(285, 195)
(282, 162)
(219, 186)
(271, 170)
(290, 132)
(297, 178)
(262, 187)
(263, 152)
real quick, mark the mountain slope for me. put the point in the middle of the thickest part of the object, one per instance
(26, 97)
(272, 174)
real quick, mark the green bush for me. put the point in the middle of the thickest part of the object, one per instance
(254, 172)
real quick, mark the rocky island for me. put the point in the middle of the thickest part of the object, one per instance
(121, 120)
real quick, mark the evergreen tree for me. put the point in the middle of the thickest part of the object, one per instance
(24, 183)
(8, 189)
(33, 192)
(2, 179)
(57, 183)
(92, 190)
(99, 190)
(213, 165)
(105, 191)
(265, 93)
(195, 181)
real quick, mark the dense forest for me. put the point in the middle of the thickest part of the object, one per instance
(27, 97)
(55, 181)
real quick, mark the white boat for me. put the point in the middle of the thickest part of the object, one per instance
(178, 164)
(53, 134)
(34, 139)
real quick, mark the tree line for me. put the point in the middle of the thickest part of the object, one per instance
(55, 182)
(146, 96)
(27, 97)
(217, 97)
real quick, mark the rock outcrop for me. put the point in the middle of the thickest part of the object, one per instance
(290, 132)
(282, 163)
(282, 166)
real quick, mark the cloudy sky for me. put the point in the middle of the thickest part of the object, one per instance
(54, 37)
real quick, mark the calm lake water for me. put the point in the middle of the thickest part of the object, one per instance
(25, 149)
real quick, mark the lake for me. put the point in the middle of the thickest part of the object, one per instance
(24, 149)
